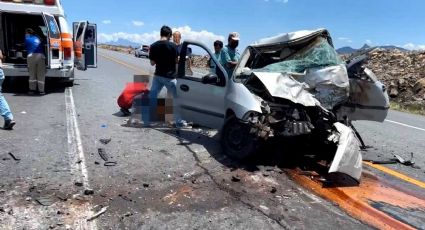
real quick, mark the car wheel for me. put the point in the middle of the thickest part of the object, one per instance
(236, 140)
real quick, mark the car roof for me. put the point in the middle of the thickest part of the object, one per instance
(290, 37)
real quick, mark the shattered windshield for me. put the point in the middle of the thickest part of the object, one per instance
(316, 54)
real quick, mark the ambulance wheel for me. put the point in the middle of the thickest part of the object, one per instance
(68, 82)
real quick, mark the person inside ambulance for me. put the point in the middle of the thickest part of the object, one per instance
(36, 62)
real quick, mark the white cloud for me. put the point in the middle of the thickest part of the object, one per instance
(107, 21)
(368, 41)
(345, 39)
(138, 23)
(411, 46)
(203, 36)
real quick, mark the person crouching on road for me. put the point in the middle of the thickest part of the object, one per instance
(36, 62)
(163, 55)
(4, 107)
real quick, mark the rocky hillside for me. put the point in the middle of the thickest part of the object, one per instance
(403, 73)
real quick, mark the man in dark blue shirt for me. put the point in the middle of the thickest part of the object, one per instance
(36, 61)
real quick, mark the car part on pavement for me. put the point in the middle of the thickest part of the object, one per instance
(102, 154)
(14, 157)
(105, 141)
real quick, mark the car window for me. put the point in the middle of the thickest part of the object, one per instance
(196, 65)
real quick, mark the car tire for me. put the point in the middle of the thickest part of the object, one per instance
(236, 141)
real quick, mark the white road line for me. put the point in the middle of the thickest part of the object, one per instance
(76, 154)
(409, 126)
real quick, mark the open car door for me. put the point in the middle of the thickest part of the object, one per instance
(54, 51)
(85, 45)
(368, 97)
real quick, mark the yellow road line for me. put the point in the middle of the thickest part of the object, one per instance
(138, 70)
(396, 174)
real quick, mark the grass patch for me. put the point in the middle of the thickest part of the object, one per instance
(418, 108)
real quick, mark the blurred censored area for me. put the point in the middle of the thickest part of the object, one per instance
(162, 112)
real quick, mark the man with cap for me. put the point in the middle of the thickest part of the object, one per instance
(229, 55)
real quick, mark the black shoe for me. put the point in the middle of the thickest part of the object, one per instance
(126, 112)
(31, 92)
(8, 125)
(42, 93)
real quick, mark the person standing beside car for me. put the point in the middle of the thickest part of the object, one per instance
(163, 55)
(177, 37)
(4, 106)
(229, 55)
(218, 46)
(36, 62)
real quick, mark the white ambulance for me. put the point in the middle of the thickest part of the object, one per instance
(63, 50)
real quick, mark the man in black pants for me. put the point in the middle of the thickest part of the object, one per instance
(163, 55)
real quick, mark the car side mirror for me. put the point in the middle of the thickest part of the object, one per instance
(210, 78)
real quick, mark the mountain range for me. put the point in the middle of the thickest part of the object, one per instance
(350, 50)
(123, 42)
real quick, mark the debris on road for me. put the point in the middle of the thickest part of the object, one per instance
(14, 157)
(105, 141)
(45, 200)
(145, 185)
(79, 184)
(395, 160)
(79, 197)
(88, 192)
(236, 179)
(404, 162)
(62, 197)
(110, 163)
(96, 215)
(147, 148)
(273, 191)
(102, 154)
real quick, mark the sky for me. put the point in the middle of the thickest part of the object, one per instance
(350, 22)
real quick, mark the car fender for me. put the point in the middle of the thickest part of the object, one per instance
(241, 101)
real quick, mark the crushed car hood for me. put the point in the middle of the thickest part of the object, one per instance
(316, 87)
(286, 87)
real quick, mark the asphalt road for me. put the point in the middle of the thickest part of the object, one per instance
(161, 180)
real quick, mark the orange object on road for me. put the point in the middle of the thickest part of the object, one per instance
(125, 100)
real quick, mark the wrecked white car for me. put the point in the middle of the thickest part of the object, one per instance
(291, 85)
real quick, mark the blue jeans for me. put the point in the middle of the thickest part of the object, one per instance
(4, 107)
(158, 84)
